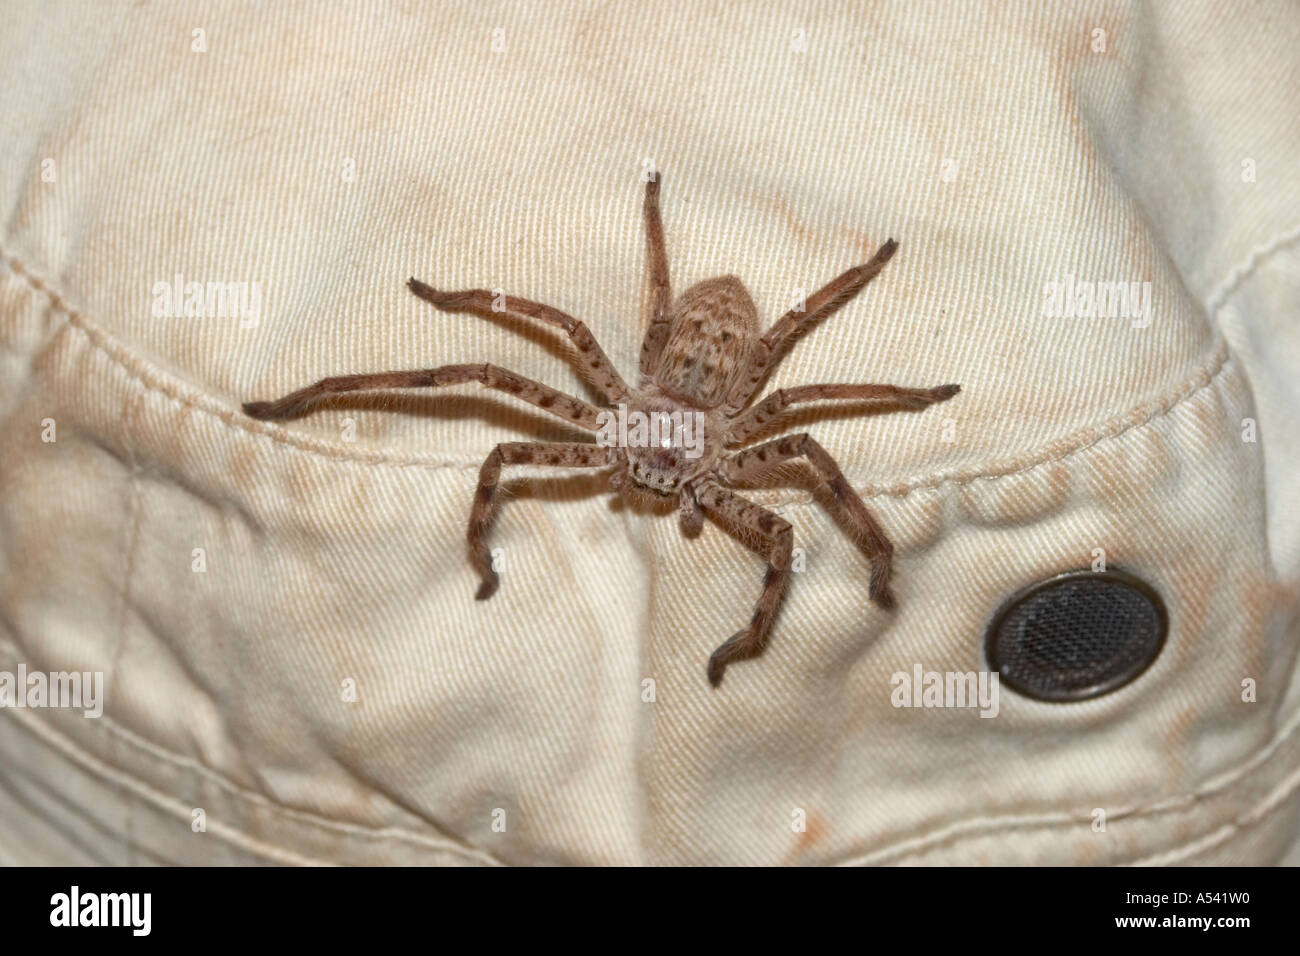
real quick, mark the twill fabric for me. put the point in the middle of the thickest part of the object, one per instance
(295, 668)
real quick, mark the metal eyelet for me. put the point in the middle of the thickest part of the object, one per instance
(1077, 635)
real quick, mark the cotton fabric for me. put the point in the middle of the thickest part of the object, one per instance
(325, 153)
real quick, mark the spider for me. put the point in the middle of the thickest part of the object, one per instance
(703, 360)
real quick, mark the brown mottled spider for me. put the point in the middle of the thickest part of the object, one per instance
(703, 357)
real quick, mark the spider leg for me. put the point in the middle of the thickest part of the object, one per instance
(754, 420)
(822, 303)
(558, 454)
(689, 512)
(747, 464)
(573, 410)
(661, 288)
(595, 365)
(780, 536)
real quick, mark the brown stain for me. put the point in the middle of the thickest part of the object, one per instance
(815, 834)
(1091, 850)
(793, 221)
(1260, 597)
(863, 243)
(1016, 498)
(1176, 737)
(1190, 610)
(919, 523)
(1126, 470)
(1065, 42)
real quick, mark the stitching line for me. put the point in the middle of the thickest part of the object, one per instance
(1265, 808)
(73, 751)
(156, 380)
(126, 781)
(1180, 802)
(904, 848)
(1220, 293)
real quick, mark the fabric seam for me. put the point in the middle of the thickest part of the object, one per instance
(984, 826)
(158, 380)
(904, 848)
(85, 759)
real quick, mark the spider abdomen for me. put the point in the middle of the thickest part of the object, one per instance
(713, 327)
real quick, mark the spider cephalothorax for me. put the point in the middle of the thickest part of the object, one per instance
(683, 430)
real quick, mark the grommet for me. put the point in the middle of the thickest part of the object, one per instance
(1077, 635)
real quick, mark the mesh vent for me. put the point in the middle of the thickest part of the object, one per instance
(1077, 635)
